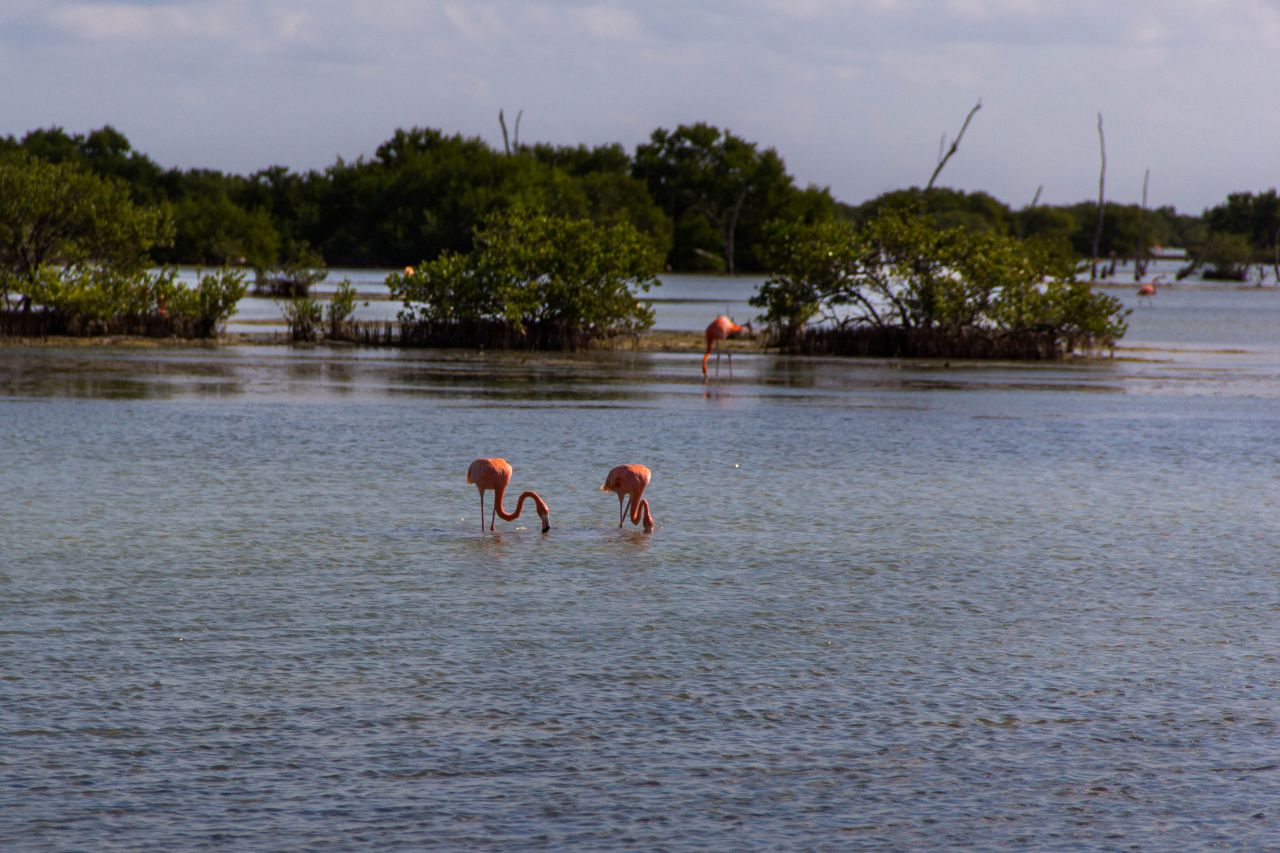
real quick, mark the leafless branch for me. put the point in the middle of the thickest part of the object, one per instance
(1140, 262)
(955, 144)
(1102, 182)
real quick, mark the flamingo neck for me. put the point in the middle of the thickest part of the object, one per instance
(538, 503)
(639, 510)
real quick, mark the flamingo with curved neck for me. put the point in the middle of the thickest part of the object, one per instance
(629, 481)
(721, 328)
(495, 474)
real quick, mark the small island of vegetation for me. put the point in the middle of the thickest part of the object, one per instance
(555, 247)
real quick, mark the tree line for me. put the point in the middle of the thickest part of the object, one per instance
(551, 246)
(703, 197)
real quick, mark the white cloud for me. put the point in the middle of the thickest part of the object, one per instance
(852, 94)
(474, 21)
(136, 22)
(609, 22)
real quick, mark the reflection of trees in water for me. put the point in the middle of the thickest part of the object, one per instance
(88, 375)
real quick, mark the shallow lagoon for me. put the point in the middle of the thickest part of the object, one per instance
(244, 600)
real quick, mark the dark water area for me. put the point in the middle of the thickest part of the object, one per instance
(245, 602)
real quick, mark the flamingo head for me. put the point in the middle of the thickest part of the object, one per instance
(545, 515)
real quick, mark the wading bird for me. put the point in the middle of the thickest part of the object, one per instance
(720, 329)
(629, 481)
(1148, 289)
(495, 474)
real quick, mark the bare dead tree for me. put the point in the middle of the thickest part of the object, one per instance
(955, 145)
(506, 143)
(1102, 182)
(1140, 262)
(1022, 219)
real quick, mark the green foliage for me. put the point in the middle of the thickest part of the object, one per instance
(425, 193)
(301, 268)
(59, 215)
(531, 270)
(212, 229)
(1223, 256)
(612, 198)
(720, 190)
(95, 293)
(897, 270)
(1051, 224)
(948, 208)
(340, 308)
(104, 152)
(1127, 229)
(1256, 217)
(101, 298)
(303, 315)
(703, 196)
(581, 161)
(214, 298)
(814, 268)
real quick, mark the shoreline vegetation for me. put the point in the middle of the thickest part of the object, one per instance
(689, 342)
(555, 248)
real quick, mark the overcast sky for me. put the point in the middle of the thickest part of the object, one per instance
(854, 95)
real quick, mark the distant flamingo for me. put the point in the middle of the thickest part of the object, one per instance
(629, 481)
(495, 474)
(1148, 289)
(720, 329)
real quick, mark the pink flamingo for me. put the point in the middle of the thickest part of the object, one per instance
(1148, 289)
(495, 474)
(629, 481)
(720, 329)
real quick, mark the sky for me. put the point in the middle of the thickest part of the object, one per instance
(854, 95)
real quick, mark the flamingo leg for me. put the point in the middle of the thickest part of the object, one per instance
(482, 510)
(493, 512)
(622, 513)
(717, 359)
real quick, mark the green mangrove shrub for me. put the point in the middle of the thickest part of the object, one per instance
(1222, 256)
(85, 300)
(301, 268)
(59, 217)
(898, 285)
(340, 308)
(533, 280)
(303, 315)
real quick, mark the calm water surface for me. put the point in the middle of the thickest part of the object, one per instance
(680, 302)
(245, 601)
